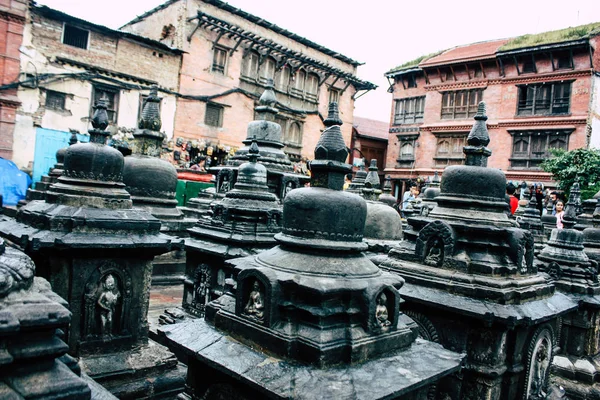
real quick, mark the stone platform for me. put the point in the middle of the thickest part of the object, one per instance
(251, 373)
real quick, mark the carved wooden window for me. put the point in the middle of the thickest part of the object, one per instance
(214, 115)
(267, 70)
(411, 81)
(299, 81)
(75, 36)
(461, 104)
(544, 99)
(449, 149)
(250, 66)
(112, 95)
(312, 87)
(406, 156)
(282, 79)
(409, 111)
(531, 148)
(294, 133)
(334, 95)
(219, 60)
(528, 64)
(55, 100)
(563, 60)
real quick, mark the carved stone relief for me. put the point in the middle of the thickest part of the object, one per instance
(255, 306)
(539, 357)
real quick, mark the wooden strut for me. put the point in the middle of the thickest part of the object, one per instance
(426, 76)
(468, 73)
(217, 39)
(482, 70)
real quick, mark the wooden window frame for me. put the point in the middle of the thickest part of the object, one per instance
(63, 99)
(530, 159)
(114, 111)
(450, 112)
(533, 105)
(415, 116)
(220, 109)
(73, 44)
(216, 67)
(455, 156)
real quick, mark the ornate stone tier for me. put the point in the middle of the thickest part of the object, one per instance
(386, 197)
(531, 221)
(152, 183)
(243, 223)
(314, 302)
(472, 285)
(96, 252)
(429, 194)
(358, 182)
(577, 367)
(33, 358)
(267, 133)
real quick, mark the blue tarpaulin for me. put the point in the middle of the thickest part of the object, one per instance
(13, 183)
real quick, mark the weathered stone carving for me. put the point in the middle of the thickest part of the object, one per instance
(255, 306)
(539, 357)
(107, 303)
(202, 287)
(381, 312)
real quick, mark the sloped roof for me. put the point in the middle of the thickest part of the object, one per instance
(470, 52)
(553, 37)
(371, 128)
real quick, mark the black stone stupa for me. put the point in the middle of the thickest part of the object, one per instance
(312, 317)
(96, 251)
(472, 285)
(152, 183)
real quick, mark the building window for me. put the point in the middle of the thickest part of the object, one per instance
(214, 115)
(477, 71)
(299, 81)
(294, 133)
(531, 148)
(409, 111)
(267, 70)
(112, 97)
(411, 81)
(544, 99)
(55, 100)
(334, 95)
(75, 37)
(282, 79)
(528, 64)
(250, 67)
(312, 87)
(461, 104)
(449, 150)
(564, 60)
(219, 60)
(406, 156)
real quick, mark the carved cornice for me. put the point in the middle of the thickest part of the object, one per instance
(403, 137)
(12, 16)
(554, 122)
(529, 78)
(453, 128)
(9, 103)
(411, 173)
(404, 130)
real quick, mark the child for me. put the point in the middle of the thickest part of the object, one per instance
(560, 212)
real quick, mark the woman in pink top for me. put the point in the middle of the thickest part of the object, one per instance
(560, 212)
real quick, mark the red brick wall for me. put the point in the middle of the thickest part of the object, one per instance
(12, 20)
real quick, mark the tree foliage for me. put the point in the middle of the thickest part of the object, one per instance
(568, 166)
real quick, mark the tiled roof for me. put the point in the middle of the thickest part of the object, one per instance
(470, 52)
(371, 128)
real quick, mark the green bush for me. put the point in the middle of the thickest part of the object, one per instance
(580, 164)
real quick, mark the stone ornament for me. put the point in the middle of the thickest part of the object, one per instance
(539, 357)
(435, 241)
(381, 311)
(107, 304)
(255, 306)
(202, 287)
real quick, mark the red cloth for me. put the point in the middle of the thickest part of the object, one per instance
(514, 203)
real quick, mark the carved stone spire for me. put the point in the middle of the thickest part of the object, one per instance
(570, 217)
(333, 115)
(476, 151)
(387, 197)
(150, 118)
(329, 166)
(73, 139)
(372, 188)
(266, 109)
(98, 133)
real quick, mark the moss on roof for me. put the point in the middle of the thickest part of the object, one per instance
(415, 63)
(562, 35)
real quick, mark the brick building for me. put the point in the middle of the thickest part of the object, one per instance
(66, 65)
(369, 141)
(229, 55)
(541, 92)
(12, 20)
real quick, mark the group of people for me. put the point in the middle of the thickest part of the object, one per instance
(542, 198)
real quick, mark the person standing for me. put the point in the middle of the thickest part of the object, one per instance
(560, 213)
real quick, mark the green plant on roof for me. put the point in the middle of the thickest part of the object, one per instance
(562, 35)
(415, 63)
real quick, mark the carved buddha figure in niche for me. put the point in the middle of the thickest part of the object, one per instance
(434, 253)
(255, 305)
(542, 362)
(107, 303)
(381, 311)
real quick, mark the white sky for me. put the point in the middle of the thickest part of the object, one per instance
(380, 33)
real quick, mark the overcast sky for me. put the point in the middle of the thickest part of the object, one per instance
(380, 33)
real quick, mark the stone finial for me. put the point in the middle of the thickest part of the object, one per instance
(476, 151)
(100, 122)
(372, 176)
(73, 139)
(387, 185)
(333, 115)
(266, 109)
(570, 217)
(435, 181)
(150, 118)
(253, 152)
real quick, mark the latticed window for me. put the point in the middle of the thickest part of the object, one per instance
(531, 148)
(449, 150)
(299, 81)
(74, 36)
(112, 97)
(334, 95)
(214, 115)
(409, 111)
(282, 79)
(312, 87)
(55, 100)
(219, 60)
(544, 99)
(250, 67)
(461, 104)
